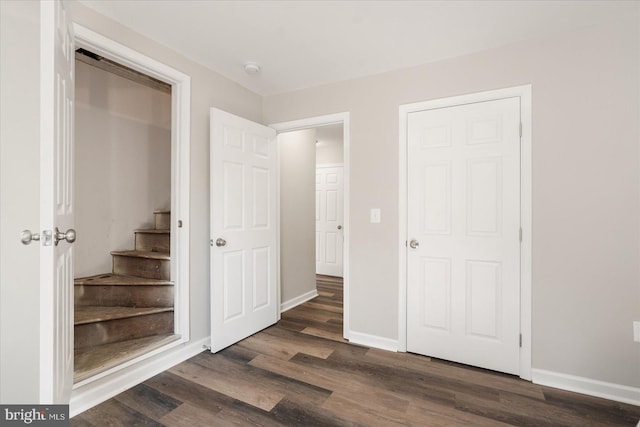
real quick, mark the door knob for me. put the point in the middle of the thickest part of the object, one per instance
(339, 227)
(414, 244)
(69, 236)
(220, 242)
(26, 237)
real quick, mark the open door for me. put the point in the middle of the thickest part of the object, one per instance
(244, 288)
(56, 203)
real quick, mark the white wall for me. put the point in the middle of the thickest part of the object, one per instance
(297, 159)
(122, 164)
(19, 200)
(329, 144)
(586, 187)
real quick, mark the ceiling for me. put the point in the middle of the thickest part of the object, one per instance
(300, 44)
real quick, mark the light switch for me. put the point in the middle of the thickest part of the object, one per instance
(636, 331)
(375, 215)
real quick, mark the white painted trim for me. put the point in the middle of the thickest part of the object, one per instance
(180, 156)
(329, 119)
(524, 93)
(89, 395)
(329, 165)
(605, 390)
(373, 341)
(47, 125)
(300, 299)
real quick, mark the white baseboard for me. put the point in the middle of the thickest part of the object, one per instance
(93, 393)
(301, 299)
(611, 391)
(373, 341)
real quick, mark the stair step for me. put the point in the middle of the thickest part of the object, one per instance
(153, 240)
(91, 361)
(152, 231)
(143, 254)
(147, 264)
(92, 314)
(162, 219)
(119, 280)
(103, 325)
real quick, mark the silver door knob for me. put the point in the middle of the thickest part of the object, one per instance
(26, 237)
(220, 242)
(414, 244)
(339, 227)
(69, 236)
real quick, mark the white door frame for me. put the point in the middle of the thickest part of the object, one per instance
(524, 93)
(180, 170)
(314, 122)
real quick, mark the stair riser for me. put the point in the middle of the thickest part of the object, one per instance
(153, 242)
(142, 267)
(162, 220)
(110, 331)
(124, 296)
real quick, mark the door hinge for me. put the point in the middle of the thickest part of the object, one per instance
(520, 234)
(521, 340)
(520, 130)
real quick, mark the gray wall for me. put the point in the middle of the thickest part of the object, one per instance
(329, 146)
(122, 164)
(297, 160)
(586, 187)
(19, 200)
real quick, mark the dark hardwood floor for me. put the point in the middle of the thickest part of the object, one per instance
(300, 372)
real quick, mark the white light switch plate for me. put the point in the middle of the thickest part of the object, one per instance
(375, 215)
(636, 331)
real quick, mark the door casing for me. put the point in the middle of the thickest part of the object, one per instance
(180, 170)
(313, 122)
(524, 93)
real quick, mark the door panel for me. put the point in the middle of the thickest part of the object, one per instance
(243, 211)
(56, 203)
(329, 213)
(463, 294)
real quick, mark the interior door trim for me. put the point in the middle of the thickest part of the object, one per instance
(524, 93)
(180, 174)
(316, 122)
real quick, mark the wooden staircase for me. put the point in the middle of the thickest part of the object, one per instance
(124, 314)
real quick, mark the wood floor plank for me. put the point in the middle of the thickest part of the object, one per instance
(113, 414)
(330, 380)
(365, 412)
(323, 333)
(292, 413)
(301, 372)
(434, 415)
(276, 384)
(243, 389)
(148, 401)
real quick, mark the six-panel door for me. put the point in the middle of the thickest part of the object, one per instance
(243, 229)
(463, 294)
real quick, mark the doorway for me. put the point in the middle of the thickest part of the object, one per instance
(329, 198)
(465, 228)
(331, 122)
(169, 203)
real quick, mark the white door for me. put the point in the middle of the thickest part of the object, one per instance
(56, 204)
(463, 293)
(329, 220)
(244, 288)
